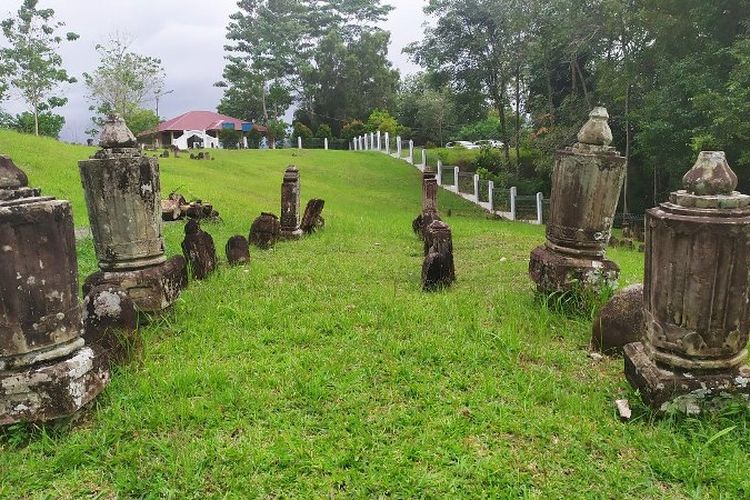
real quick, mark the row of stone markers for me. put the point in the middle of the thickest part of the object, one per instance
(56, 357)
(685, 331)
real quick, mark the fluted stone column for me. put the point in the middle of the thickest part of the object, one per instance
(46, 371)
(586, 184)
(123, 196)
(696, 292)
(290, 204)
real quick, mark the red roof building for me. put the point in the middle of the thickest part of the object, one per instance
(199, 129)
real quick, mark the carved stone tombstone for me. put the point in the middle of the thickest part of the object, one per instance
(586, 184)
(46, 370)
(696, 292)
(290, 204)
(429, 212)
(110, 322)
(237, 250)
(123, 196)
(264, 232)
(438, 270)
(199, 251)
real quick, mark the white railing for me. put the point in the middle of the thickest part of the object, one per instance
(453, 187)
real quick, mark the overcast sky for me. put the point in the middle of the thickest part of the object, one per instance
(187, 35)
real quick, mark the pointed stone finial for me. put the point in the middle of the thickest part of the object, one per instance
(711, 175)
(116, 134)
(11, 177)
(291, 173)
(596, 131)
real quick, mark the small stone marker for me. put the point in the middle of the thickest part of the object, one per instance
(620, 322)
(199, 250)
(586, 183)
(238, 250)
(264, 233)
(290, 204)
(313, 218)
(696, 293)
(46, 370)
(438, 270)
(123, 196)
(110, 321)
(623, 409)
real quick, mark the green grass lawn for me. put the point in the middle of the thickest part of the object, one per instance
(323, 370)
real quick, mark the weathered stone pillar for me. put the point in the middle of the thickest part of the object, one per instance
(429, 212)
(586, 184)
(290, 204)
(438, 270)
(696, 292)
(46, 371)
(123, 196)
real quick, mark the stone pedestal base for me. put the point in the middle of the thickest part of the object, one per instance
(663, 389)
(152, 289)
(557, 272)
(51, 390)
(291, 235)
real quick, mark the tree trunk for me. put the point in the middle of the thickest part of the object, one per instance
(36, 120)
(583, 84)
(518, 115)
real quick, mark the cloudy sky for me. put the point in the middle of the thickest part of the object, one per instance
(188, 36)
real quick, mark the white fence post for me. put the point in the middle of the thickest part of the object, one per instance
(411, 151)
(424, 159)
(387, 143)
(361, 143)
(476, 188)
(398, 146)
(491, 195)
(439, 172)
(539, 208)
(379, 148)
(372, 141)
(513, 194)
(455, 179)
(325, 143)
(299, 142)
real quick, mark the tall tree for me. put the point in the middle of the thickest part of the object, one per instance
(32, 59)
(124, 81)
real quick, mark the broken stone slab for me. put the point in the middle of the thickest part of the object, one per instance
(238, 250)
(265, 231)
(438, 270)
(623, 409)
(110, 323)
(199, 251)
(553, 271)
(313, 220)
(620, 321)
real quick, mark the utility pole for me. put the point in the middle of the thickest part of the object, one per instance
(158, 94)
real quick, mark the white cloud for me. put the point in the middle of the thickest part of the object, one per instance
(187, 35)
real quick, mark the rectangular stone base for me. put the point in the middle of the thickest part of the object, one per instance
(663, 389)
(557, 272)
(51, 390)
(152, 289)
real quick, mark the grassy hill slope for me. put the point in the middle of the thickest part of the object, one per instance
(323, 370)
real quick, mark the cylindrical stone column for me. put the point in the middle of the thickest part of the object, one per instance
(123, 194)
(46, 372)
(290, 204)
(586, 183)
(696, 291)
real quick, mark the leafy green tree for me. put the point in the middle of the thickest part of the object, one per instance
(45, 123)
(324, 132)
(277, 131)
(434, 115)
(141, 120)
(383, 121)
(124, 81)
(31, 58)
(352, 129)
(301, 130)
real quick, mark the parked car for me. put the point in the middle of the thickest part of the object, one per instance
(490, 143)
(461, 144)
